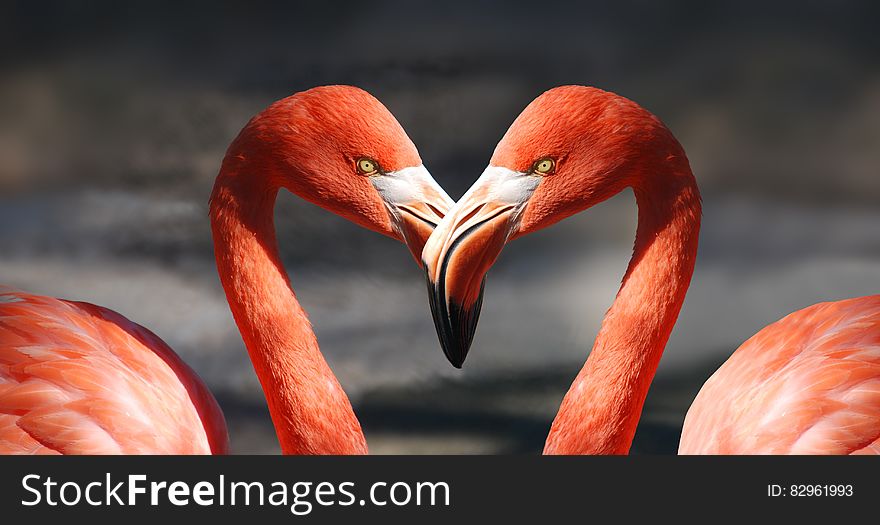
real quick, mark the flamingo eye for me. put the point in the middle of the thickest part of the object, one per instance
(367, 166)
(544, 166)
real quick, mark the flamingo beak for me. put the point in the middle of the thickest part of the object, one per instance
(416, 204)
(463, 247)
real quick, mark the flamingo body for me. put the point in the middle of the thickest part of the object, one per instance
(76, 378)
(806, 384)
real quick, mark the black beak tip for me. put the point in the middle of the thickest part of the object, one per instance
(456, 325)
(455, 353)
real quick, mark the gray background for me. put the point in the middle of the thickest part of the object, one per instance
(114, 119)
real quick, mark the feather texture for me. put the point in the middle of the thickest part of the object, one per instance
(806, 384)
(76, 378)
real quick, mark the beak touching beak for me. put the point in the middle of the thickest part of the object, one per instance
(416, 204)
(462, 249)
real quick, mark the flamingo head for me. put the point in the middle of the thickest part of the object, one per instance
(571, 148)
(340, 148)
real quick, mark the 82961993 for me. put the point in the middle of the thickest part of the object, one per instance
(821, 490)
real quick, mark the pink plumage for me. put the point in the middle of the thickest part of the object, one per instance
(80, 379)
(806, 384)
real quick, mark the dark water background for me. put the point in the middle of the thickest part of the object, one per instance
(114, 118)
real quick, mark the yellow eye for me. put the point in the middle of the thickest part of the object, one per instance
(367, 166)
(544, 166)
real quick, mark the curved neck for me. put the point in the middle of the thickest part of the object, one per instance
(601, 411)
(309, 409)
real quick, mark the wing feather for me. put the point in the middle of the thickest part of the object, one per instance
(76, 378)
(807, 384)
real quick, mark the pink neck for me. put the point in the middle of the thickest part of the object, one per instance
(600, 412)
(309, 409)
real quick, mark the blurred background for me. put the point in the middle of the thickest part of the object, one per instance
(114, 118)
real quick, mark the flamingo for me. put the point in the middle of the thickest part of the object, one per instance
(809, 383)
(80, 379)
